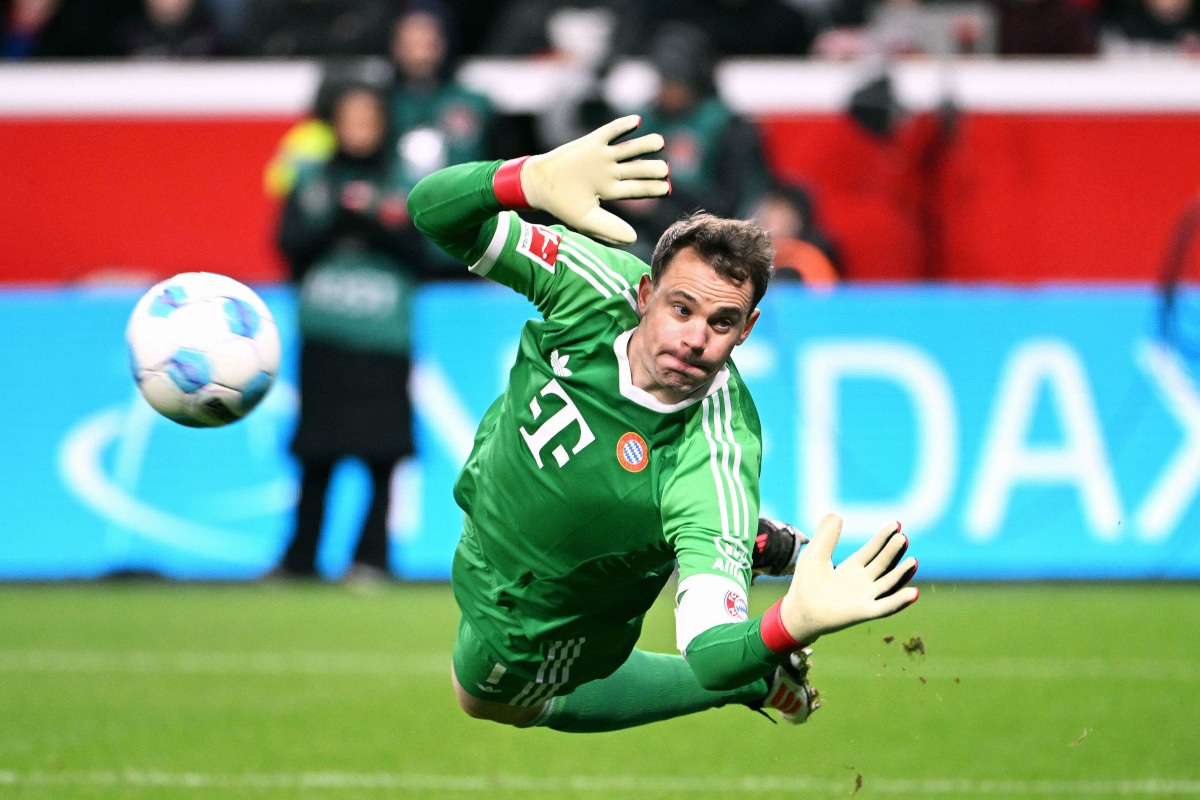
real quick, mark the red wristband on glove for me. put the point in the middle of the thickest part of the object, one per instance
(506, 184)
(774, 635)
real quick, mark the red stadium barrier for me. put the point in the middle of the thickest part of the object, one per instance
(148, 196)
(1012, 197)
(1052, 172)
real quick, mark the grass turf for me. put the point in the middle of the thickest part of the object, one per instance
(158, 690)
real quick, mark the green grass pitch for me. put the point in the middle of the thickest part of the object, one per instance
(155, 690)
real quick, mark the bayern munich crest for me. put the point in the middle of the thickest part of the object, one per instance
(736, 606)
(632, 452)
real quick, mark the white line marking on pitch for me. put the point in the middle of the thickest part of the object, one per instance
(1151, 787)
(223, 663)
(895, 665)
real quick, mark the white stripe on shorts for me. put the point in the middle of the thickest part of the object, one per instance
(553, 673)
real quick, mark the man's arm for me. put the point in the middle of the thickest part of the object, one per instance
(306, 229)
(725, 657)
(870, 584)
(456, 208)
(731, 655)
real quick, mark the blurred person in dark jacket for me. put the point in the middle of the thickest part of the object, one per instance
(1044, 28)
(803, 252)
(716, 156)
(172, 29)
(84, 29)
(356, 259)
(23, 22)
(740, 28)
(436, 121)
(293, 28)
(1155, 26)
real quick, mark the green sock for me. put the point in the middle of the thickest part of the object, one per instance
(648, 687)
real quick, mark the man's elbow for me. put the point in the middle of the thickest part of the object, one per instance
(710, 677)
(417, 203)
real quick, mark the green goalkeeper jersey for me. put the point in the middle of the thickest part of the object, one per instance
(582, 490)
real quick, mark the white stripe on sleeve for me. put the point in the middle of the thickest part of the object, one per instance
(488, 260)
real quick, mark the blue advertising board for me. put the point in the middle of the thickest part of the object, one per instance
(1017, 434)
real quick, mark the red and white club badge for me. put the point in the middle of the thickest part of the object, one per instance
(539, 244)
(736, 606)
(632, 452)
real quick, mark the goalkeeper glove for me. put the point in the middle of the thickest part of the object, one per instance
(571, 180)
(870, 584)
(775, 548)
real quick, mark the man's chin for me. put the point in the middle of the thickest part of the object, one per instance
(682, 382)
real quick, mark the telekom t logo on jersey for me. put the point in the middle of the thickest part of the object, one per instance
(555, 425)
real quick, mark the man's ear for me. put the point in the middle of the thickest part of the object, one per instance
(645, 289)
(753, 318)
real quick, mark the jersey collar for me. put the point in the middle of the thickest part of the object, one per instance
(644, 398)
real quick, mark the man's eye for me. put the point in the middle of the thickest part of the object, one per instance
(681, 311)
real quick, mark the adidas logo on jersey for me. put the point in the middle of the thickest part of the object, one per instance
(559, 364)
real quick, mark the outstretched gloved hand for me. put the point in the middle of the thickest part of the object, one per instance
(571, 180)
(870, 584)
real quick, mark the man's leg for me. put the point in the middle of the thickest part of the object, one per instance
(648, 687)
(300, 557)
(503, 713)
(372, 548)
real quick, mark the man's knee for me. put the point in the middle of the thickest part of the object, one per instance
(502, 713)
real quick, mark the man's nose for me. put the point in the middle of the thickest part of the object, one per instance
(695, 335)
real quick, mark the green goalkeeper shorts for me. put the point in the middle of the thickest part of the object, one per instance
(558, 669)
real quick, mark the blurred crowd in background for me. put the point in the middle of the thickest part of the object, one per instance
(410, 51)
(612, 28)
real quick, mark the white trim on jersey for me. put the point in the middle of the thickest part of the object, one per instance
(706, 601)
(495, 247)
(565, 256)
(606, 273)
(644, 398)
(725, 458)
(552, 674)
(615, 278)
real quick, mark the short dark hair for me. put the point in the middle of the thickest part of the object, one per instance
(735, 248)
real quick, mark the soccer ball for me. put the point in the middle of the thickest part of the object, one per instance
(203, 348)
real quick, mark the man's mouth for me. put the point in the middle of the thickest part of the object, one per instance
(677, 364)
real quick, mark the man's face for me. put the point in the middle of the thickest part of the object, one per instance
(359, 123)
(779, 218)
(691, 321)
(675, 97)
(418, 46)
(1169, 10)
(168, 12)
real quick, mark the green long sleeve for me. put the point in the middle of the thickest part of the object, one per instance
(456, 208)
(727, 656)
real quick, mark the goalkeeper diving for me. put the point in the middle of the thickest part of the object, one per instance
(624, 444)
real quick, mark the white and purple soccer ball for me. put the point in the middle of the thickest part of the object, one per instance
(203, 348)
